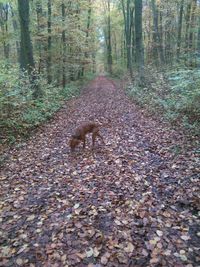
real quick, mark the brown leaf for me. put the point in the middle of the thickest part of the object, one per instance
(89, 252)
(105, 258)
(185, 237)
(129, 248)
(19, 262)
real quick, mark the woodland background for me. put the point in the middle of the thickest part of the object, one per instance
(49, 49)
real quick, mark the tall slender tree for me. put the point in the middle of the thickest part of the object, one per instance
(158, 51)
(26, 49)
(109, 45)
(39, 29)
(15, 28)
(187, 22)
(4, 17)
(180, 25)
(128, 23)
(64, 46)
(198, 42)
(87, 34)
(192, 30)
(49, 42)
(138, 38)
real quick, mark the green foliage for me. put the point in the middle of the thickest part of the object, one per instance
(20, 112)
(185, 92)
(118, 70)
(176, 95)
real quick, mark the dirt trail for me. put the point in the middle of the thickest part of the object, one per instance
(133, 202)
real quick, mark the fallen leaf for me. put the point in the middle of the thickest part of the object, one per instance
(76, 206)
(96, 252)
(145, 252)
(30, 218)
(19, 262)
(185, 237)
(105, 258)
(130, 248)
(154, 260)
(89, 252)
(153, 241)
(117, 222)
(159, 233)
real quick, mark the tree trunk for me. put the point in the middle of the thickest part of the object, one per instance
(15, 27)
(109, 41)
(191, 34)
(198, 44)
(87, 34)
(26, 50)
(158, 51)
(7, 46)
(49, 59)
(93, 62)
(4, 8)
(180, 20)
(64, 47)
(133, 43)
(128, 22)
(128, 36)
(161, 37)
(187, 21)
(39, 26)
(79, 60)
(138, 39)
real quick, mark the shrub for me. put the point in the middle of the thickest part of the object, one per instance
(175, 94)
(20, 112)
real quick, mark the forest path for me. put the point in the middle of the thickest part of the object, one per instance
(132, 202)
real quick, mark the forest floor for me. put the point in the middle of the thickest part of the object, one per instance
(131, 202)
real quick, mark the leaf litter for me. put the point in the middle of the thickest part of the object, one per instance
(133, 202)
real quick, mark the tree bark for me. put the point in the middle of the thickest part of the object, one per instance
(128, 28)
(26, 49)
(15, 27)
(138, 39)
(198, 43)
(7, 46)
(64, 47)
(4, 11)
(49, 43)
(87, 34)
(39, 27)
(187, 21)
(109, 41)
(158, 51)
(180, 22)
(191, 34)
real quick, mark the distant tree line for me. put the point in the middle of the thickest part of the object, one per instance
(152, 32)
(53, 38)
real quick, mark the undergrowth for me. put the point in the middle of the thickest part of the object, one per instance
(173, 93)
(20, 112)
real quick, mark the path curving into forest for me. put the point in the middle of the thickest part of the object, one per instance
(133, 202)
